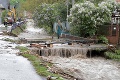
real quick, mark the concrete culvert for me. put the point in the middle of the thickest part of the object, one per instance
(95, 53)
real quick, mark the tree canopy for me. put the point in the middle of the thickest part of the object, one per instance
(84, 17)
(14, 2)
(30, 5)
(46, 14)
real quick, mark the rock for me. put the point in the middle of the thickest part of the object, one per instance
(49, 78)
(54, 78)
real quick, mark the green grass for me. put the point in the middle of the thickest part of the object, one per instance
(10, 40)
(39, 64)
(17, 30)
(39, 67)
(22, 49)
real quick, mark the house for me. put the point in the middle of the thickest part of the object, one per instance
(114, 28)
(118, 0)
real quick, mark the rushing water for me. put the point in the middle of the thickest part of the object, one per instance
(33, 32)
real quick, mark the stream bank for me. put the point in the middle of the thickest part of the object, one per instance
(95, 68)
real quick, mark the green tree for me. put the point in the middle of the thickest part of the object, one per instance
(30, 5)
(84, 17)
(46, 14)
(13, 2)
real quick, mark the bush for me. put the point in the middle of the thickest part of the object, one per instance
(103, 39)
(111, 55)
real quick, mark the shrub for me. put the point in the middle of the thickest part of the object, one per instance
(111, 55)
(103, 39)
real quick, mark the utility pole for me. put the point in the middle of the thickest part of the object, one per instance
(67, 9)
(67, 3)
(73, 2)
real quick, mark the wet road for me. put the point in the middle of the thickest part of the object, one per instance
(13, 67)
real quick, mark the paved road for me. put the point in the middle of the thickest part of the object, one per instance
(13, 67)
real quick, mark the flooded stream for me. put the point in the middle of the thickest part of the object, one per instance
(33, 32)
(86, 69)
(18, 68)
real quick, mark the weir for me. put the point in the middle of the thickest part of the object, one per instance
(65, 50)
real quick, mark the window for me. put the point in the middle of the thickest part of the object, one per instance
(114, 31)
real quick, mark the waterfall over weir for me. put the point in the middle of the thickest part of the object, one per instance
(63, 52)
(69, 51)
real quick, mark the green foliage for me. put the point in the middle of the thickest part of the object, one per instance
(14, 2)
(111, 55)
(30, 5)
(117, 52)
(46, 14)
(17, 30)
(85, 16)
(103, 39)
(4, 13)
(82, 19)
(41, 69)
(22, 49)
(61, 10)
(10, 40)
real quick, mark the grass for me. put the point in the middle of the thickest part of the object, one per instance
(39, 64)
(17, 30)
(39, 67)
(22, 49)
(10, 40)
